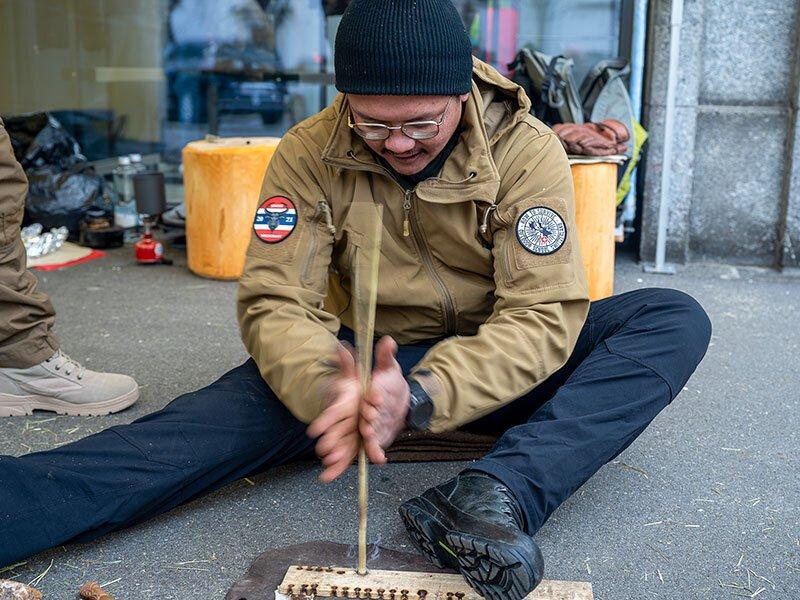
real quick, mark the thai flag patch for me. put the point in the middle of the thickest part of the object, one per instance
(275, 219)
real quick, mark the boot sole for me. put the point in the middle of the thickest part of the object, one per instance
(18, 406)
(428, 535)
(496, 569)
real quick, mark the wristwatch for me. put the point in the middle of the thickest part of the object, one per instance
(420, 409)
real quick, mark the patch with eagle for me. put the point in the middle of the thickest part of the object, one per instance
(541, 230)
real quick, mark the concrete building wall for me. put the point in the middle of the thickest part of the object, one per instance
(736, 177)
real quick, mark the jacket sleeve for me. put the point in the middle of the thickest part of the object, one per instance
(282, 289)
(541, 296)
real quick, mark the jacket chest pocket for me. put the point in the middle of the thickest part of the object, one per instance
(316, 256)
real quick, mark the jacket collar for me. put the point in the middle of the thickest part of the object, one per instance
(495, 104)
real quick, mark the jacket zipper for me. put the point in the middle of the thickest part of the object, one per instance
(406, 211)
(427, 260)
(505, 253)
(505, 264)
(411, 227)
(323, 209)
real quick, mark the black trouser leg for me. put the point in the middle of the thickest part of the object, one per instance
(129, 473)
(632, 358)
(634, 355)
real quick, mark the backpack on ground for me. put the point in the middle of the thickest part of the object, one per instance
(550, 84)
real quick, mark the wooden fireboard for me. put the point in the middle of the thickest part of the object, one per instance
(309, 582)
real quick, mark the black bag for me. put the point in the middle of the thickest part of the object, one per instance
(39, 140)
(61, 187)
(61, 198)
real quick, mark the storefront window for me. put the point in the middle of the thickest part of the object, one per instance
(148, 76)
(584, 30)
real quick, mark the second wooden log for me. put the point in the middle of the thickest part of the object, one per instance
(595, 214)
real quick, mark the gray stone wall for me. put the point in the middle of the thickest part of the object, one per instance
(735, 186)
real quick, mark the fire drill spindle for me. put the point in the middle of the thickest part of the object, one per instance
(366, 292)
(363, 495)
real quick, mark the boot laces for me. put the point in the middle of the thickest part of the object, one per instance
(493, 502)
(68, 364)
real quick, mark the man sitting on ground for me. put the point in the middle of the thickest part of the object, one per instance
(482, 305)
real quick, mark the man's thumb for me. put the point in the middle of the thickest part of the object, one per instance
(385, 353)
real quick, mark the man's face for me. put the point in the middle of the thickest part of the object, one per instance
(405, 155)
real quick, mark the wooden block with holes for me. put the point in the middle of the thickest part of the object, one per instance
(303, 582)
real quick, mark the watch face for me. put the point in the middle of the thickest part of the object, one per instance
(419, 413)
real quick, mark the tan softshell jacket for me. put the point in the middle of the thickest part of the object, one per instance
(452, 267)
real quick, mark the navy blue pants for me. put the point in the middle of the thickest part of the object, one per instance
(633, 356)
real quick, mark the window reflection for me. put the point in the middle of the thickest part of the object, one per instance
(243, 67)
(150, 75)
(584, 30)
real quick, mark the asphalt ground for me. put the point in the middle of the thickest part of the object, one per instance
(705, 504)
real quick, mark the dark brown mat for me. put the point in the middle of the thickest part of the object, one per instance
(422, 446)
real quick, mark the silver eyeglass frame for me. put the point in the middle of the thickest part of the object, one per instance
(387, 129)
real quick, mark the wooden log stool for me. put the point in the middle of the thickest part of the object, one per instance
(222, 181)
(223, 176)
(595, 181)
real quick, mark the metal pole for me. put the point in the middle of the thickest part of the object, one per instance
(669, 125)
(637, 76)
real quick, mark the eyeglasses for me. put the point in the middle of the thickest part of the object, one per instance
(416, 130)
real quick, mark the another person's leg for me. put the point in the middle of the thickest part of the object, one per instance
(129, 473)
(34, 373)
(632, 358)
(26, 314)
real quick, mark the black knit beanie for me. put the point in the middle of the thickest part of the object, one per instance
(403, 48)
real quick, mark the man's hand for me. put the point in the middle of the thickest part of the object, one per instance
(337, 426)
(384, 410)
(348, 418)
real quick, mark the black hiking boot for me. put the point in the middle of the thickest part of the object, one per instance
(473, 523)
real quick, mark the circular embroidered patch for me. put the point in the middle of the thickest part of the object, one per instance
(275, 219)
(541, 230)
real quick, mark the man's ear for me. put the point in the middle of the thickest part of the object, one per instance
(463, 97)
